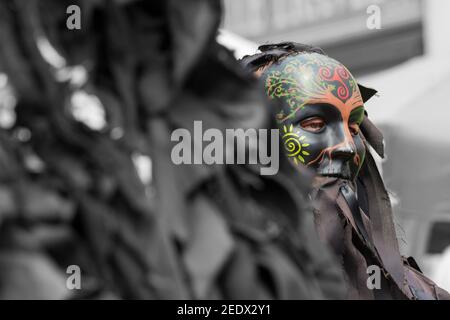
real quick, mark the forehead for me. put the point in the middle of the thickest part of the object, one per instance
(311, 78)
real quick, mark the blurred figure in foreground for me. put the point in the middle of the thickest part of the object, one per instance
(320, 111)
(86, 177)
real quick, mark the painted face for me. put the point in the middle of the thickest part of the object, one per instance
(319, 113)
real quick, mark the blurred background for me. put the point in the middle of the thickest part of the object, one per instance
(407, 61)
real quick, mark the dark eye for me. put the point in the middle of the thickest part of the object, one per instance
(314, 124)
(354, 128)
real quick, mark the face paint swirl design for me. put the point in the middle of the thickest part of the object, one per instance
(318, 78)
(294, 144)
(339, 74)
(319, 113)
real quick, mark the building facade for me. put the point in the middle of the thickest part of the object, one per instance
(342, 27)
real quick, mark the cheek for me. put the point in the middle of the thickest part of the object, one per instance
(312, 143)
(300, 146)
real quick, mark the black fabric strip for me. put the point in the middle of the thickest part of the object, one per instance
(352, 202)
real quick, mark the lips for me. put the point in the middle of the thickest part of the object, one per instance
(336, 168)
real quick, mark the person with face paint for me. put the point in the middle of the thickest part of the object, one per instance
(319, 107)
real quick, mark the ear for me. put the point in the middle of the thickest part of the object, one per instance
(366, 92)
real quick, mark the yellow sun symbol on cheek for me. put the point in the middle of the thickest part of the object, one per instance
(294, 144)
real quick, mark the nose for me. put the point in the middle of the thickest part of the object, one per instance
(344, 152)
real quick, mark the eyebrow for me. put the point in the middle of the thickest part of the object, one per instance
(298, 114)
